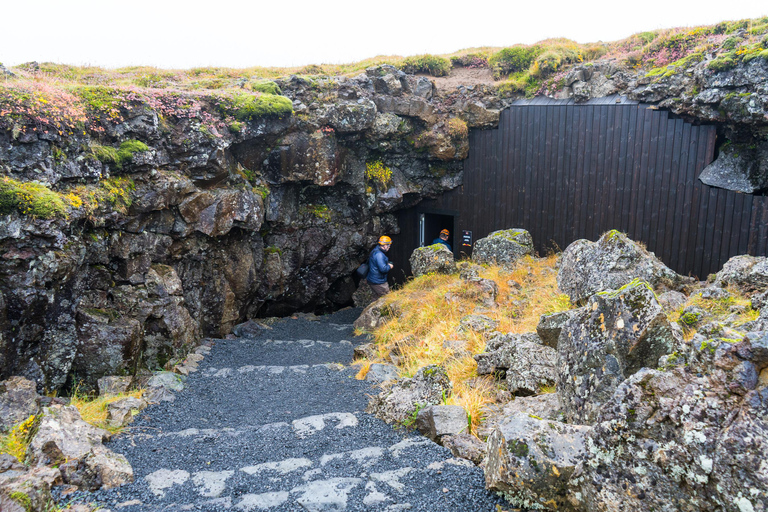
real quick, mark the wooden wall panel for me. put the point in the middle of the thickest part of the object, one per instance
(565, 171)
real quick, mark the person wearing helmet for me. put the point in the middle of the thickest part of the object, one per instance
(443, 239)
(379, 266)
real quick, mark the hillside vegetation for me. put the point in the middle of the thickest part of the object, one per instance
(519, 69)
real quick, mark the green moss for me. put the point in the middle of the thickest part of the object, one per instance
(245, 107)
(430, 64)
(128, 148)
(723, 63)
(320, 211)
(119, 156)
(30, 198)
(22, 499)
(518, 448)
(273, 250)
(266, 86)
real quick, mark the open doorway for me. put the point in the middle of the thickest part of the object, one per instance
(430, 225)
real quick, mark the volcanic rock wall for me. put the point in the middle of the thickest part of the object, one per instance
(198, 227)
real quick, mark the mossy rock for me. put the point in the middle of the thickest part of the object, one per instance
(503, 247)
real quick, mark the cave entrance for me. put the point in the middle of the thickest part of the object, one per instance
(430, 225)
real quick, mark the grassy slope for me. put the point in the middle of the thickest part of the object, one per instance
(425, 320)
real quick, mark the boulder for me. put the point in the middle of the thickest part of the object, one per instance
(465, 446)
(346, 117)
(739, 167)
(550, 326)
(477, 323)
(527, 365)
(381, 373)
(101, 468)
(114, 385)
(63, 435)
(27, 489)
(615, 335)
(249, 329)
(610, 263)
(162, 385)
(760, 300)
(363, 296)
(500, 350)
(437, 421)
(545, 406)
(18, 401)
(747, 273)
(672, 300)
(121, 412)
(432, 259)
(530, 460)
(399, 399)
(503, 247)
(366, 351)
(686, 439)
(375, 315)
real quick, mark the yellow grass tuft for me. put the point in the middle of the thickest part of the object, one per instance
(94, 410)
(365, 367)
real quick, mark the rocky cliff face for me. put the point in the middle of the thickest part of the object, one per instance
(197, 218)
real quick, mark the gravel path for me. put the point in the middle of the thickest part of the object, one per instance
(276, 423)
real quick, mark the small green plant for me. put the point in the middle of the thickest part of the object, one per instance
(410, 421)
(514, 59)
(117, 192)
(430, 64)
(377, 172)
(457, 128)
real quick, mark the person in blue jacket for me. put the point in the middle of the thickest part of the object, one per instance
(378, 267)
(443, 239)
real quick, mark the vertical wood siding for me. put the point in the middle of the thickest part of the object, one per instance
(566, 171)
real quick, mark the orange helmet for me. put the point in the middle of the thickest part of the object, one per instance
(445, 232)
(385, 240)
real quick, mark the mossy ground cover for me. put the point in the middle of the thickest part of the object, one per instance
(31, 198)
(734, 309)
(426, 320)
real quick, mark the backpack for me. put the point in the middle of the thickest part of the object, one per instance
(362, 270)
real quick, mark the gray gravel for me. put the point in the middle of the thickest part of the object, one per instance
(267, 424)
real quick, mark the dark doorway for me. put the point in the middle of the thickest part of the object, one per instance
(430, 225)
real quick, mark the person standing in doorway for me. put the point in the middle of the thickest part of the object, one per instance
(379, 266)
(443, 239)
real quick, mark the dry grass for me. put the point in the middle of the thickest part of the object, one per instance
(94, 410)
(424, 320)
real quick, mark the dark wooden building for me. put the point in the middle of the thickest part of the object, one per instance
(566, 171)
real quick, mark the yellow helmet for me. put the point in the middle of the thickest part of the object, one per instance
(385, 240)
(445, 232)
